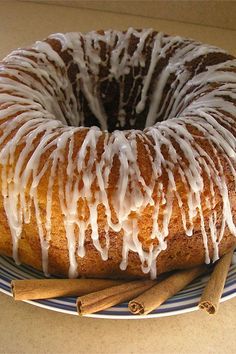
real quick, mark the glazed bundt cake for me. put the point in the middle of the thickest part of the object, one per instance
(117, 154)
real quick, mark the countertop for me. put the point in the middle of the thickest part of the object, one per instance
(28, 329)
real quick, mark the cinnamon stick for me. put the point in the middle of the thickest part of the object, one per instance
(35, 289)
(103, 299)
(153, 298)
(212, 293)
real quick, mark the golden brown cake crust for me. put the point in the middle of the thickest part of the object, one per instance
(204, 130)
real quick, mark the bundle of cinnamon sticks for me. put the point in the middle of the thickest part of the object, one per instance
(144, 296)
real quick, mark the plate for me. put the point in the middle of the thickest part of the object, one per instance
(185, 301)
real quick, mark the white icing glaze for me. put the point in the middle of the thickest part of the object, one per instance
(44, 101)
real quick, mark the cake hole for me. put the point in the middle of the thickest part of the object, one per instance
(118, 96)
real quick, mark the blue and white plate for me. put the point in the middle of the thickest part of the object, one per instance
(185, 301)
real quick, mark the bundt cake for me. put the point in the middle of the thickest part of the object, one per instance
(117, 154)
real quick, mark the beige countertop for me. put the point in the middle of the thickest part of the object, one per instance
(28, 329)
